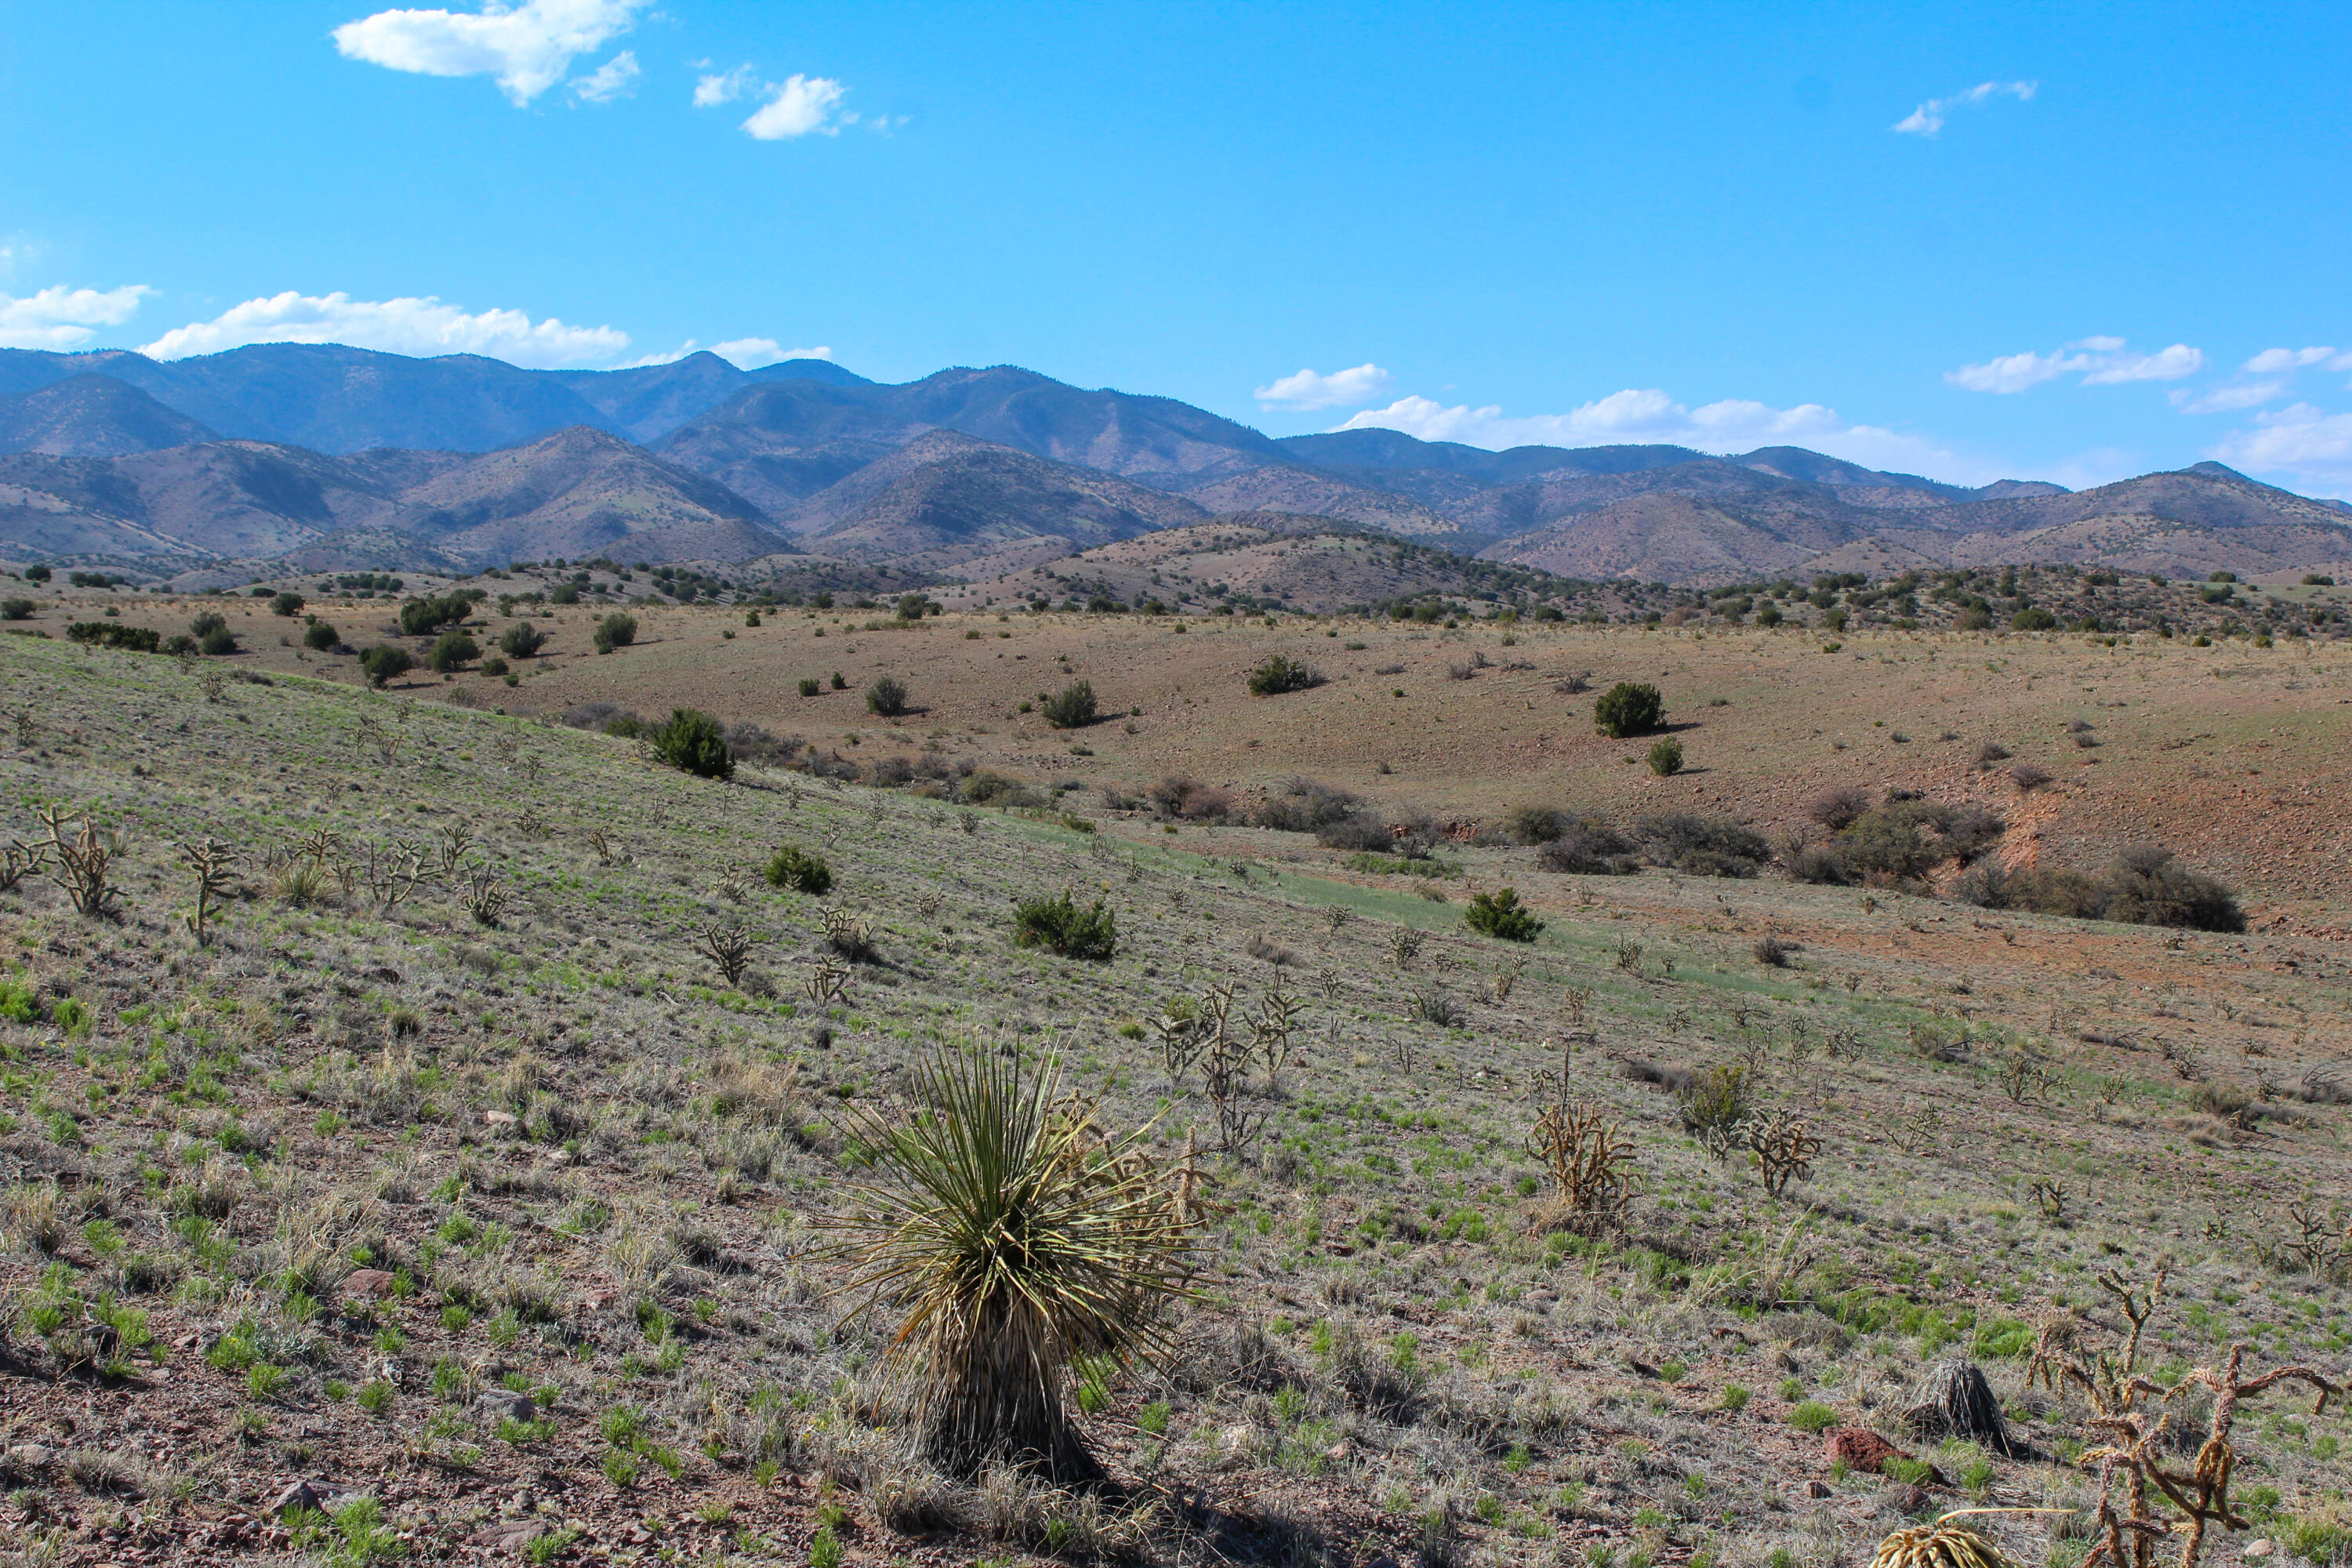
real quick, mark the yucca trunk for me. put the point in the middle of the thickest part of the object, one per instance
(999, 1399)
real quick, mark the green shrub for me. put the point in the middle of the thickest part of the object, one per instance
(886, 697)
(321, 638)
(383, 663)
(220, 640)
(521, 640)
(1500, 914)
(1060, 925)
(419, 617)
(288, 605)
(2032, 618)
(692, 741)
(794, 867)
(1279, 673)
(1812, 1416)
(16, 609)
(615, 630)
(1628, 708)
(1667, 757)
(811, 686)
(453, 649)
(840, 681)
(494, 667)
(1072, 707)
(114, 633)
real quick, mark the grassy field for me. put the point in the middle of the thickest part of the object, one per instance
(494, 1214)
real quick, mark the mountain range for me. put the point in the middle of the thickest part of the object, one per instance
(319, 456)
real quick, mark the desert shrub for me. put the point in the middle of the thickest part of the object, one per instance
(494, 666)
(419, 617)
(1360, 831)
(1306, 805)
(809, 686)
(453, 649)
(286, 605)
(1072, 707)
(1835, 809)
(589, 715)
(1969, 830)
(217, 642)
(1717, 1099)
(1886, 841)
(1590, 847)
(1991, 751)
(985, 786)
(794, 867)
(114, 633)
(1703, 846)
(750, 742)
(17, 609)
(1819, 863)
(615, 630)
(385, 663)
(993, 1332)
(1628, 708)
(886, 697)
(692, 741)
(2032, 618)
(1534, 823)
(521, 640)
(2029, 776)
(1501, 915)
(1279, 672)
(1059, 925)
(1182, 795)
(1667, 757)
(2148, 888)
(321, 638)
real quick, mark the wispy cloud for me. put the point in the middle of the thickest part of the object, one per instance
(407, 326)
(1311, 389)
(713, 89)
(528, 48)
(62, 318)
(2100, 362)
(1647, 415)
(616, 78)
(2264, 378)
(1928, 117)
(2306, 443)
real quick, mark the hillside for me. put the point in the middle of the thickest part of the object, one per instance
(93, 415)
(484, 1204)
(944, 498)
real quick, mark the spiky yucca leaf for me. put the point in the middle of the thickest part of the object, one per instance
(1938, 1545)
(1015, 1239)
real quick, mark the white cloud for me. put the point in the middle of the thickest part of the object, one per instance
(744, 354)
(616, 78)
(1340, 389)
(1637, 416)
(710, 90)
(1928, 117)
(2259, 380)
(751, 354)
(2225, 399)
(62, 319)
(800, 105)
(2312, 446)
(424, 326)
(2102, 362)
(528, 48)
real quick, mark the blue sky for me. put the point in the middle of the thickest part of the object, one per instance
(2070, 242)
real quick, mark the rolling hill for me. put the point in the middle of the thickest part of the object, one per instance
(324, 448)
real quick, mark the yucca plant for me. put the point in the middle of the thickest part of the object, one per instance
(1016, 1238)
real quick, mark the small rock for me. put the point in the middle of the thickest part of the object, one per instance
(32, 1455)
(2259, 1549)
(502, 1119)
(501, 1402)
(1816, 1488)
(1910, 1499)
(372, 1283)
(1339, 1453)
(297, 1495)
(1862, 1449)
